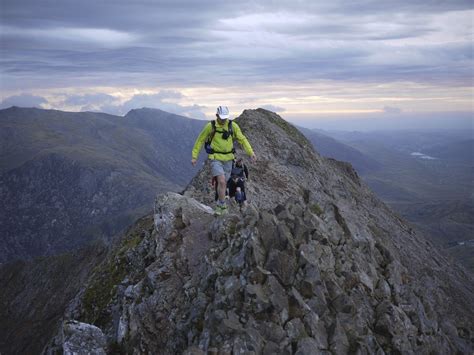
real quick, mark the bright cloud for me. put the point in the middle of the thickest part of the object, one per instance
(102, 37)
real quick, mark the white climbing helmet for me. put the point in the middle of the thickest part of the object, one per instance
(223, 112)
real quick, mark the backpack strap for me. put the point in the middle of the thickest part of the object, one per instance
(213, 132)
(231, 133)
(231, 130)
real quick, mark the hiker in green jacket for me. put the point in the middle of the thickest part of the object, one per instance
(217, 136)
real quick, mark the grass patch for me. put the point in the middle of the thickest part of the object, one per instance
(232, 228)
(100, 292)
(316, 209)
(130, 243)
(107, 276)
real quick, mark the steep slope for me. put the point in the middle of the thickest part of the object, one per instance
(61, 171)
(331, 148)
(434, 194)
(317, 263)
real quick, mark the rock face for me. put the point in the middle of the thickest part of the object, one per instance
(82, 338)
(315, 264)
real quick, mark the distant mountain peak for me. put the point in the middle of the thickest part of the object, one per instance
(147, 112)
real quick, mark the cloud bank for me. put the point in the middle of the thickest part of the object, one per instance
(188, 42)
(216, 49)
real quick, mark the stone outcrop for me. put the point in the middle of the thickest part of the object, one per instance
(315, 264)
(81, 338)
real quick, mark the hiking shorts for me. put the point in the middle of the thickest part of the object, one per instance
(219, 167)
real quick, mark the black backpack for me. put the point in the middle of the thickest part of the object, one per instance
(237, 172)
(225, 135)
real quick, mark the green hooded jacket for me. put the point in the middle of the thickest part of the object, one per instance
(218, 143)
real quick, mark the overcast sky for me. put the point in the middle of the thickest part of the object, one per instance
(304, 59)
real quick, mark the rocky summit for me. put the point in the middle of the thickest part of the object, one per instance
(315, 264)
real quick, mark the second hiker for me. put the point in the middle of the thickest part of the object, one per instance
(217, 136)
(236, 183)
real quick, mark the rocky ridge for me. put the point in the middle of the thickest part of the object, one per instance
(315, 264)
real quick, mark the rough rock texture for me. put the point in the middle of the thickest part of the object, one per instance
(315, 264)
(81, 339)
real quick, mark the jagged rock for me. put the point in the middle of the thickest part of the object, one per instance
(194, 350)
(283, 265)
(259, 299)
(343, 304)
(81, 338)
(308, 346)
(366, 281)
(295, 329)
(383, 289)
(392, 323)
(272, 332)
(231, 321)
(338, 341)
(317, 330)
(271, 348)
(278, 297)
(308, 253)
(326, 270)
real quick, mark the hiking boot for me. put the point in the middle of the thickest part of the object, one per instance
(220, 210)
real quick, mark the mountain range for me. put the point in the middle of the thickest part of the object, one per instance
(70, 178)
(55, 164)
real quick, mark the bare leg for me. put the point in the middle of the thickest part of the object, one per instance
(221, 187)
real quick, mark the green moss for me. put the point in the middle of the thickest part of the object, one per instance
(100, 291)
(232, 228)
(101, 288)
(130, 243)
(316, 209)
